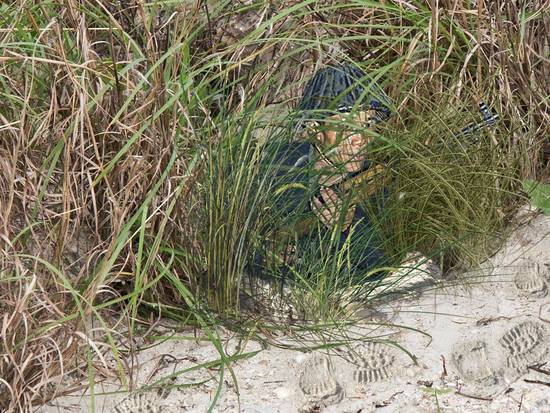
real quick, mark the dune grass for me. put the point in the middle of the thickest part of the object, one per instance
(131, 135)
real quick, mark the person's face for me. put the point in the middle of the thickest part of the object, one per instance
(347, 144)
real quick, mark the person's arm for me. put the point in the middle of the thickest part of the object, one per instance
(328, 207)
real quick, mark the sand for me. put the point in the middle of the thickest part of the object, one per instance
(478, 347)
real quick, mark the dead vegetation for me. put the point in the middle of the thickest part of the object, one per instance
(105, 110)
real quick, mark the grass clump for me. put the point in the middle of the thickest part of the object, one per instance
(132, 137)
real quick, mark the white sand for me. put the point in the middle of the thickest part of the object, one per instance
(471, 357)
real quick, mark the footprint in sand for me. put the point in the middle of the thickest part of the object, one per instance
(471, 359)
(531, 279)
(526, 343)
(138, 403)
(374, 362)
(318, 384)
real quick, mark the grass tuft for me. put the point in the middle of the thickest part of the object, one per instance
(133, 137)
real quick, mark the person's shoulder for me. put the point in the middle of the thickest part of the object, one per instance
(293, 154)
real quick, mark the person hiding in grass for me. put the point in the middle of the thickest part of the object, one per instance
(322, 174)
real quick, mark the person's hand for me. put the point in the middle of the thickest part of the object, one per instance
(328, 208)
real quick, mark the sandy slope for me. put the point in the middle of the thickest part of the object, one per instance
(473, 356)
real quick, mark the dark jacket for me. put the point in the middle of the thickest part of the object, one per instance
(294, 184)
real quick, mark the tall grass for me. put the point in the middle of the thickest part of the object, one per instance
(131, 135)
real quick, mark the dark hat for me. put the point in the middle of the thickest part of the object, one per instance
(342, 89)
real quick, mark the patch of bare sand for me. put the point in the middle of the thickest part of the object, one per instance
(482, 350)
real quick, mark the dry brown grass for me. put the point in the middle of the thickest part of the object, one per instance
(98, 100)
